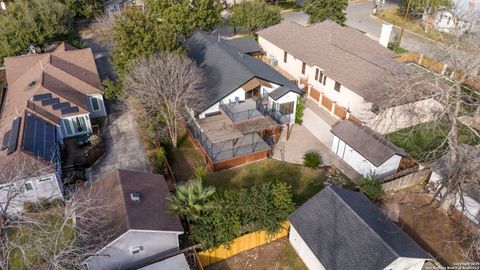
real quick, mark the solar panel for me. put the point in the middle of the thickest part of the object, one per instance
(29, 134)
(6, 136)
(39, 149)
(50, 142)
(42, 97)
(13, 138)
(70, 110)
(50, 101)
(60, 106)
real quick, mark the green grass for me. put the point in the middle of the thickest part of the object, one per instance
(29, 235)
(394, 16)
(184, 159)
(290, 259)
(305, 182)
(426, 142)
(396, 49)
(287, 5)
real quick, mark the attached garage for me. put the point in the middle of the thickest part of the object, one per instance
(365, 150)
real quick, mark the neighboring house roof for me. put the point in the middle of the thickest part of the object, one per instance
(368, 143)
(49, 86)
(344, 53)
(246, 45)
(345, 230)
(178, 262)
(227, 68)
(150, 213)
(469, 156)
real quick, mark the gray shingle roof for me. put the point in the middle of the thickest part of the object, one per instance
(345, 54)
(227, 68)
(345, 230)
(246, 45)
(368, 143)
(279, 92)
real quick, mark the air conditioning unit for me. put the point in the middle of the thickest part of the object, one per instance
(273, 62)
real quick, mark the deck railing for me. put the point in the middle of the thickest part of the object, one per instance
(275, 115)
(240, 115)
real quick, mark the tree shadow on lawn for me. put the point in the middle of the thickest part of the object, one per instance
(305, 182)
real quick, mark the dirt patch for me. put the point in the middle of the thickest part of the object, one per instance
(278, 255)
(427, 225)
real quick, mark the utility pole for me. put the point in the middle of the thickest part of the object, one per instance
(404, 22)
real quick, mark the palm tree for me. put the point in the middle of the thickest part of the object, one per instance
(190, 199)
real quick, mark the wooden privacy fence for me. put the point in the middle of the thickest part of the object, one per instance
(241, 244)
(405, 179)
(437, 67)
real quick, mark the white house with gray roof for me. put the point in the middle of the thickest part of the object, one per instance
(247, 101)
(365, 150)
(342, 70)
(342, 229)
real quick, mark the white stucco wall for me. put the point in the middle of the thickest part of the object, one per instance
(289, 97)
(361, 164)
(404, 263)
(99, 113)
(45, 186)
(472, 207)
(117, 254)
(303, 251)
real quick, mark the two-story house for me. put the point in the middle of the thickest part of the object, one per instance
(246, 102)
(341, 68)
(48, 97)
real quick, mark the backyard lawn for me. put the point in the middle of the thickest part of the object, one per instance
(278, 255)
(426, 142)
(184, 159)
(305, 182)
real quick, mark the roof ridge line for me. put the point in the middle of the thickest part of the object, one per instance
(232, 56)
(352, 53)
(365, 223)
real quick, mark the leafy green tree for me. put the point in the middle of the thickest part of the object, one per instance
(137, 35)
(254, 15)
(37, 22)
(190, 200)
(186, 16)
(217, 226)
(84, 8)
(299, 111)
(312, 160)
(321, 10)
(371, 187)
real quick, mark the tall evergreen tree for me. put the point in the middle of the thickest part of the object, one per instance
(254, 15)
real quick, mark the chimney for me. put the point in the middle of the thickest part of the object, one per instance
(385, 35)
(135, 197)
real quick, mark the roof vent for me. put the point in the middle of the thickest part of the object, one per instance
(32, 83)
(135, 197)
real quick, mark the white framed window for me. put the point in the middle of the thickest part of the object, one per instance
(68, 127)
(95, 102)
(136, 249)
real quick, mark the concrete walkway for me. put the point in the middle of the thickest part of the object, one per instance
(123, 146)
(302, 141)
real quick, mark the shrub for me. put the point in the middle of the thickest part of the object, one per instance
(299, 111)
(158, 160)
(201, 172)
(113, 90)
(312, 160)
(371, 187)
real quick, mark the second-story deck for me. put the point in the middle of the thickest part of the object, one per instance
(250, 108)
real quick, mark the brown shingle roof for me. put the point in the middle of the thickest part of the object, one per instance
(67, 73)
(345, 54)
(148, 214)
(368, 143)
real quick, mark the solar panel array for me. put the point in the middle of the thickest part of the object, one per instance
(70, 110)
(50, 101)
(40, 138)
(6, 137)
(13, 138)
(42, 96)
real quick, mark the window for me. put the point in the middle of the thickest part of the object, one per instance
(321, 78)
(95, 103)
(337, 86)
(285, 55)
(304, 66)
(324, 79)
(68, 128)
(287, 108)
(136, 249)
(316, 74)
(28, 186)
(79, 124)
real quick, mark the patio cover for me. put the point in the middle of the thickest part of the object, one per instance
(257, 124)
(219, 128)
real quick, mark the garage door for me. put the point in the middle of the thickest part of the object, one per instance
(318, 127)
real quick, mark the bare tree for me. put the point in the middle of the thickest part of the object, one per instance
(461, 53)
(103, 30)
(58, 235)
(169, 86)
